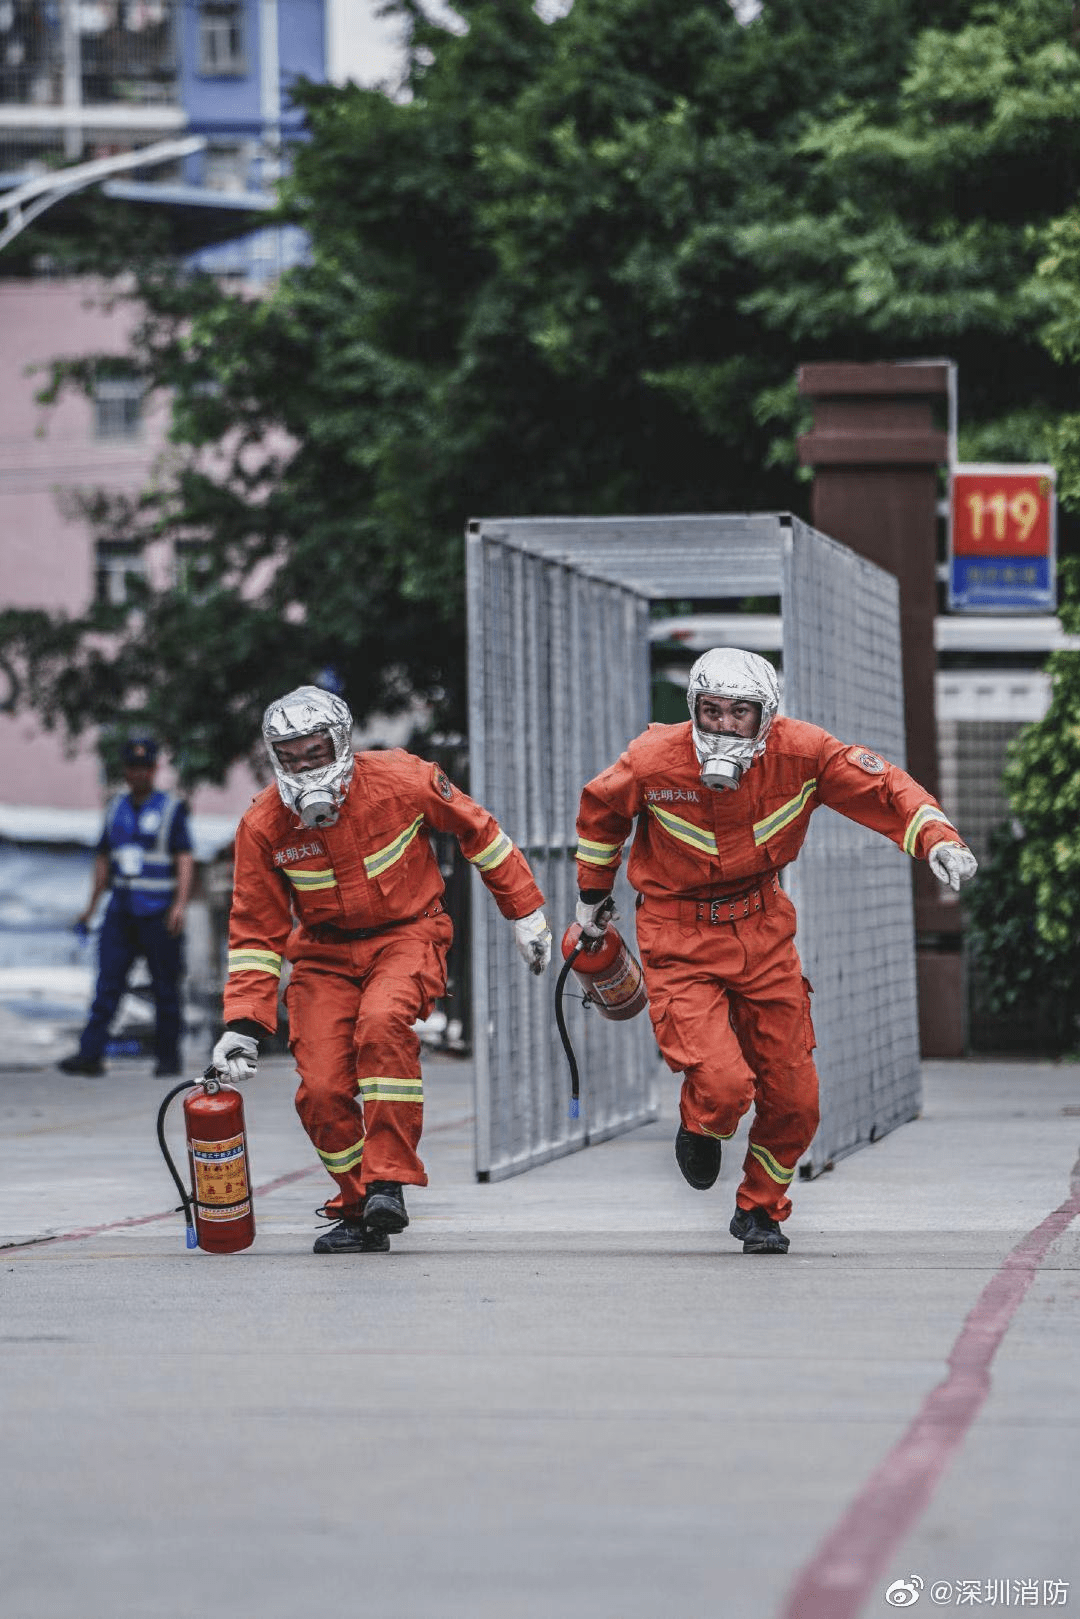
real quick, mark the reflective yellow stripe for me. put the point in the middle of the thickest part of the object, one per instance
(255, 961)
(494, 855)
(376, 863)
(685, 831)
(597, 854)
(716, 1136)
(338, 1162)
(306, 881)
(772, 1167)
(379, 1088)
(922, 817)
(776, 822)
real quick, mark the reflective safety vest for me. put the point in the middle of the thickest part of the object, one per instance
(141, 864)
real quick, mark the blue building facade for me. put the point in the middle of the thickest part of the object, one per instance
(238, 62)
(231, 66)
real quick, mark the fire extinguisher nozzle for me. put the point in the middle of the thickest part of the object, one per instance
(190, 1237)
(575, 1108)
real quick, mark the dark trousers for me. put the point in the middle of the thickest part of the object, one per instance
(124, 938)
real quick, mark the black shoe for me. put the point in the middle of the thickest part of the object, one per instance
(384, 1207)
(350, 1237)
(698, 1157)
(76, 1064)
(757, 1232)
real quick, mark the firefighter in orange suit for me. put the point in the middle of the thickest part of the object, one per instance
(722, 805)
(335, 873)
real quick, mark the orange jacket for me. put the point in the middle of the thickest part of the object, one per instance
(293, 886)
(692, 840)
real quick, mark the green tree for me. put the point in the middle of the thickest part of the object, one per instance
(572, 269)
(918, 216)
(1025, 907)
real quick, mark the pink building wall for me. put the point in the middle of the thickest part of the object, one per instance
(47, 557)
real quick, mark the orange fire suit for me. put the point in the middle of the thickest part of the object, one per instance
(356, 908)
(727, 998)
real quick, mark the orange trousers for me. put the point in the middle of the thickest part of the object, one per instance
(731, 1011)
(361, 1096)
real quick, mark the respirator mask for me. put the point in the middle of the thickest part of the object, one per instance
(316, 795)
(738, 676)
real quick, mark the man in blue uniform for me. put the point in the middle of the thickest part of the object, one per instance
(145, 857)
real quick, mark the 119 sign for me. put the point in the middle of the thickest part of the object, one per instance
(1002, 539)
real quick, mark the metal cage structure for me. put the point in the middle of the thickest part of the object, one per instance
(559, 683)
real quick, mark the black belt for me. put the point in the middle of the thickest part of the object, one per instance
(329, 933)
(714, 908)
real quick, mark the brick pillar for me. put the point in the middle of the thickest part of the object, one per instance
(876, 452)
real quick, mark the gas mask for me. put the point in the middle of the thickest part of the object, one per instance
(740, 677)
(316, 796)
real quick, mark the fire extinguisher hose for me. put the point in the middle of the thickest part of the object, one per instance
(575, 1102)
(186, 1204)
(601, 920)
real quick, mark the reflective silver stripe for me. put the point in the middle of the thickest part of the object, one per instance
(375, 864)
(597, 854)
(255, 961)
(923, 817)
(381, 1088)
(697, 837)
(772, 1166)
(348, 1158)
(776, 822)
(308, 881)
(494, 855)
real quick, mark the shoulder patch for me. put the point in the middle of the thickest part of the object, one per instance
(441, 782)
(870, 762)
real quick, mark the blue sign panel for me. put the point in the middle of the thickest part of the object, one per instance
(1002, 584)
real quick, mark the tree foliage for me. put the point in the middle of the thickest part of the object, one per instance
(1025, 907)
(572, 269)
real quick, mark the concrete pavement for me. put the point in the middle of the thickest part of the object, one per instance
(567, 1394)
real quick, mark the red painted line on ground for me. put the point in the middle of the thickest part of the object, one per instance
(839, 1579)
(148, 1219)
(168, 1214)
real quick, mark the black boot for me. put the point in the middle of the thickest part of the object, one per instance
(384, 1207)
(758, 1233)
(77, 1064)
(350, 1237)
(698, 1157)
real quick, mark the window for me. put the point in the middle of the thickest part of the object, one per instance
(115, 562)
(117, 407)
(221, 37)
(193, 568)
(227, 166)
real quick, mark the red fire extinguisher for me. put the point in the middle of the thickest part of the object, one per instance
(218, 1210)
(610, 976)
(607, 972)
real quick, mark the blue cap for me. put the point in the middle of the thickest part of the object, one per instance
(140, 750)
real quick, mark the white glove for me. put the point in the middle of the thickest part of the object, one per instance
(952, 864)
(585, 916)
(235, 1056)
(533, 939)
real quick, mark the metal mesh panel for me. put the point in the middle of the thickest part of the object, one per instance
(851, 887)
(559, 683)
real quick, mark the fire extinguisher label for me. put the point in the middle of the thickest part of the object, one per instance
(221, 1178)
(620, 984)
